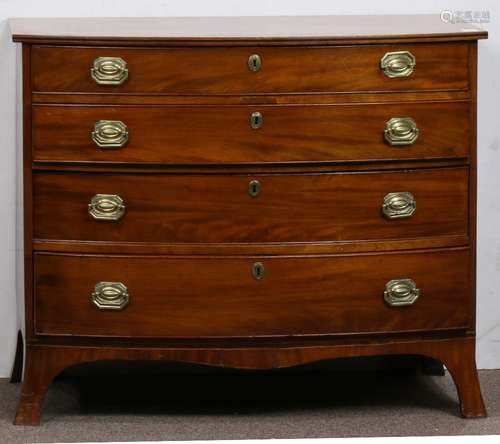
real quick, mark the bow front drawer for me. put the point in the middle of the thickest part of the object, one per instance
(160, 296)
(251, 208)
(251, 70)
(251, 134)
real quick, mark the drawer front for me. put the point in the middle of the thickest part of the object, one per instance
(250, 134)
(226, 70)
(141, 296)
(251, 208)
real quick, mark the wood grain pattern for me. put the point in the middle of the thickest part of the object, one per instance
(219, 297)
(258, 99)
(267, 248)
(219, 209)
(191, 233)
(220, 134)
(27, 196)
(275, 30)
(45, 362)
(225, 70)
(473, 179)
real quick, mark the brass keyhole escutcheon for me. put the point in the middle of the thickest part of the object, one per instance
(258, 270)
(254, 62)
(256, 120)
(254, 188)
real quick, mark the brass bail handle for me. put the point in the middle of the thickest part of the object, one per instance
(400, 131)
(399, 205)
(110, 134)
(109, 71)
(106, 207)
(110, 296)
(401, 292)
(398, 64)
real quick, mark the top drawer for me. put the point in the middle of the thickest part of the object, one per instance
(250, 70)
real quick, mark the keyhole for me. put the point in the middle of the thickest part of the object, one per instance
(256, 120)
(254, 62)
(254, 188)
(258, 270)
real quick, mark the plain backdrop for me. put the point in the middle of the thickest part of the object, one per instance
(488, 285)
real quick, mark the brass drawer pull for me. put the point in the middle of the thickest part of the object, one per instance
(109, 71)
(399, 205)
(110, 134)
(107, 207)
(398, 64)
(401, 131)
(256, 120)
(110, 296)
(258, 270)
(401, 292)
(254, 188)
(254, 62)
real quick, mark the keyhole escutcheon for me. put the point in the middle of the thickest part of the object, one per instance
(254, 188)
(258, 270)
(254, 62)
(256, 120)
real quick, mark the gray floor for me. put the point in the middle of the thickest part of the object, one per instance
(319, 403)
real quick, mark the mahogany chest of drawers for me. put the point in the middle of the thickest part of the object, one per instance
(199, 191)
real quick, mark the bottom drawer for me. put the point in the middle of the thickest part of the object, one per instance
(166, 296)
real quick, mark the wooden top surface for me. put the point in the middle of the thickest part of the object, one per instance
(332, 29)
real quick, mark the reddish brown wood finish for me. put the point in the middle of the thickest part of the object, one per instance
(178, 145)
(218, 297)
(225, 70)
(27, 196)
(222, 134)
(219, 209)
(473, 179)
(242, 31)
(44, 363)
(258, 99)
(272, 248)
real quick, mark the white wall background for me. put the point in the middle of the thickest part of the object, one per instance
(488, 327)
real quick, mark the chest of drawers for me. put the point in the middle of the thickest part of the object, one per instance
(201, 192)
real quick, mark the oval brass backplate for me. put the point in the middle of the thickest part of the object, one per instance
(258, 270)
